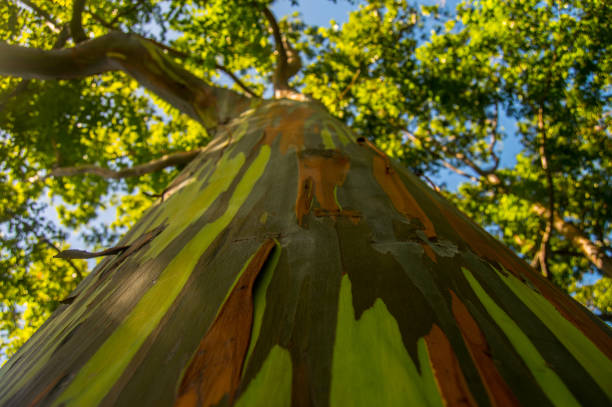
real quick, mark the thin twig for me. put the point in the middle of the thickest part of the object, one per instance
(494, 138)
(350, 85)
(152, 166)
(444, 162)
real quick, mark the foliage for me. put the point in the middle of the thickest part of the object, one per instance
(431, 88)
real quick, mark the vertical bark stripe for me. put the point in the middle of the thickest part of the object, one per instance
(450, 378)
(111, 359)
(551, 384)
(320, 172)
(499, 392)
(371, 366)
(216, 367)
(586, 353)
(271, 387)
(402, 199)
(487, 247)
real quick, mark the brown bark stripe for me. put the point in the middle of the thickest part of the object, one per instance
(499, 392)
(450, 378)
(402, 199)
(289, 126)
(489, 248)
(216, 368)
(429, 252)
(320, 172)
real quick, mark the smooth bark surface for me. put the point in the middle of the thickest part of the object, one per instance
(297, 265)
(139, 58)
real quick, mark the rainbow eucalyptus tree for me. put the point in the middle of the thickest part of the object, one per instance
(290, 262)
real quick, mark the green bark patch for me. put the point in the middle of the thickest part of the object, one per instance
(272, 385)
(548, 380)
(371, 365)
(586, 353)
(107, 364)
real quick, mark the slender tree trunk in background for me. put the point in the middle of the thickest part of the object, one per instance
(296, 265)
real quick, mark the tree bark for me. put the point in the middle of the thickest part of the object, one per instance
(297, 265)
(209, 105)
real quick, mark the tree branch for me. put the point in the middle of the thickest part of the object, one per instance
(169, 160)
(442, 160)
(463, 158)
(605, 316)
(22, 86)
(571, 232)
(494, 138)
(545, 245)
(288, 61)
(49, 243)
(102, 21)
(278, 37)
(237, 80)
(350, 85)
(136, 56)
(184, 55)
(76, 23)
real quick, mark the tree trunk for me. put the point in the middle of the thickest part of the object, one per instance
(295, 264)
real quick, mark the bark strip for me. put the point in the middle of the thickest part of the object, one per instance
(216, 368)
(499, 392)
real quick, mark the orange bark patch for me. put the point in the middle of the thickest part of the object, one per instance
(402, 200)
(320, 172)
(499, 392)
(429, 252)
(490, 249)
(450, 379)
(216, 367)
(46, 390)
(289, 126)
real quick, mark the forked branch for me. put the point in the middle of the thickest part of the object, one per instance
(288, 61)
